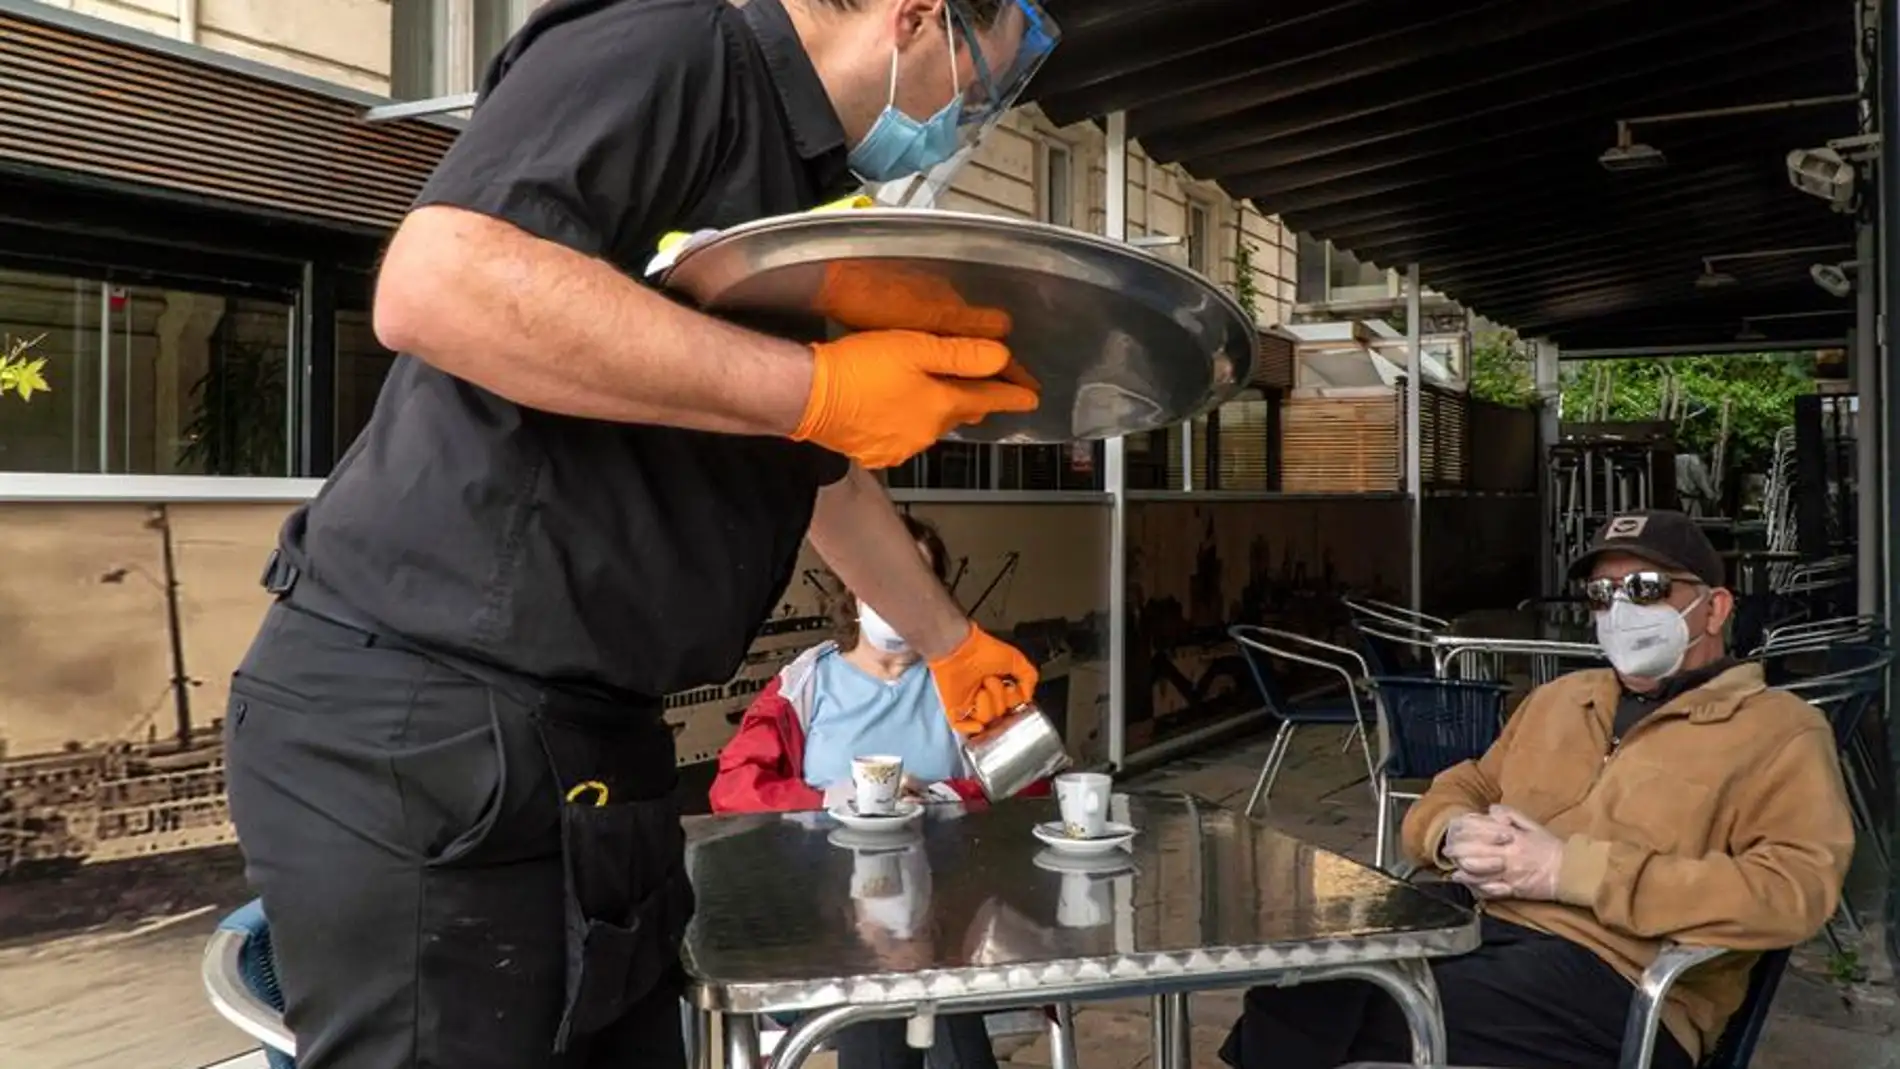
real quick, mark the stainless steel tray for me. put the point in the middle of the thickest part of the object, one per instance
(1122, 342)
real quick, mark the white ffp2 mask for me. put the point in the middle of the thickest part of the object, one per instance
(878, 631)
(1645, 641)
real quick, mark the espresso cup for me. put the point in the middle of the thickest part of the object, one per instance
(877, 780)
(1083, 798)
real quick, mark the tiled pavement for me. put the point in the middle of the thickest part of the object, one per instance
(1817, 1021)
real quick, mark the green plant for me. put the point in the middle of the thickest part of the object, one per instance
(237, 425)
(1503, 371)
(1245, 293)
(1760, 388)
(18, 373)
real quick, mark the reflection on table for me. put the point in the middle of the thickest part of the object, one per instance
(1203, 898)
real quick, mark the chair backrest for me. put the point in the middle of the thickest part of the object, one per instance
(1259, 644)
(1853, 676)
(1737, 1044)
(240, 977)
(1437, 723)
(1374, 609)
(1395, 651)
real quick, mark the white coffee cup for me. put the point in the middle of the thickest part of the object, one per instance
(1086, 902)
(877, 780)
(1083, 798)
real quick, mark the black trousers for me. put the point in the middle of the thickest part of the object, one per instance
(962, 1043)
(434, 899)
(1522, 1000)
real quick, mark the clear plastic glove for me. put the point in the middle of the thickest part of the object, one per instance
(1525, 866)
(1474, 828)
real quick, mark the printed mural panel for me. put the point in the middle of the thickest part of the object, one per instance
(116, 851)
(1195, 568)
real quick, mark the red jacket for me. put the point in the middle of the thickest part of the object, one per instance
(762, 769)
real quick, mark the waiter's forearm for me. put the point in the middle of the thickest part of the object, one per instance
(855, 528)
(551, 329)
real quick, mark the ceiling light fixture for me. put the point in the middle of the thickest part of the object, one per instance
(1629, 154)
(1713, 279)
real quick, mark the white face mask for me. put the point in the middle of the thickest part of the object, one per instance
(878, 631)
(1645, 641)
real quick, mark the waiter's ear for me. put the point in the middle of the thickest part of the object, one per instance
(913, 18)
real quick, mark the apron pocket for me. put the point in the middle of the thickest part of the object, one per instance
(627, 904)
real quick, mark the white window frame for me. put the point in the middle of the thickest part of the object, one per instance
(1208, 232)
(1048, 150)
(452, 56)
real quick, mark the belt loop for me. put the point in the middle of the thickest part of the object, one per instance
(280, 576)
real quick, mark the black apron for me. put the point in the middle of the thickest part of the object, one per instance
(627, 898)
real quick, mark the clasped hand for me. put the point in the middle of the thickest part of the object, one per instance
(1504, 854)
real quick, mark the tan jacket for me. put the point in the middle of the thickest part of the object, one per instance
(1720, 820)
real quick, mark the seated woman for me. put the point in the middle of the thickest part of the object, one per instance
(866, 693)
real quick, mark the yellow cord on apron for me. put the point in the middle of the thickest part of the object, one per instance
(599, 789)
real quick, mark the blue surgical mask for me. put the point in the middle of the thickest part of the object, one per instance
(897, 145)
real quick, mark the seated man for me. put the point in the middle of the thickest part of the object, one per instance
(1670, 798)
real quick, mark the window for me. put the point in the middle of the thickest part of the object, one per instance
(160, 378)
(1055, 183)
(967, 466)
(1328, 274)
(441, 47)
(1200, 237)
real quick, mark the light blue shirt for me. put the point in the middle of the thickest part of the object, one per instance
(855, 714)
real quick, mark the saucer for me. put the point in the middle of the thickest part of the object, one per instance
(1114, 836)
(892, 841)
(847, 814)
(1116, 863)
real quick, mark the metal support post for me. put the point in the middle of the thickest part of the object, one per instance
(1414, 437)
(1115, 478)
(1867, 421)
(1546, 373)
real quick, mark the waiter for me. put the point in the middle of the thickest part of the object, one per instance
(448, 766)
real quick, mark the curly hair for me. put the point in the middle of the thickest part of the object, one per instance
(844, 611)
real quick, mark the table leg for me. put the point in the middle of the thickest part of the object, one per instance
(1062, 1036)
(742, 1041)
(1411, 983)
(1171, 1031)
(811, 1031)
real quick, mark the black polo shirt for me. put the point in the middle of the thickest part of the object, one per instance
(633, 560)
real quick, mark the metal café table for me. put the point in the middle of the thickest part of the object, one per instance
(1545, 636)
(795, 918)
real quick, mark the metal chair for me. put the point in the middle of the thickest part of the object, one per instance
(1733, 1050)
(1736, 1046)
(1427, 726)
(1396, 615)
(1392, 650)
(1258, 645)
(240, 978)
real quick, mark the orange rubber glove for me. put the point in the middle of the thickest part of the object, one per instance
(886, 296)
(982, 679)
(884, 396)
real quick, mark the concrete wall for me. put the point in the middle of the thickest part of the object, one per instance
(342, 41)
(1006, 175)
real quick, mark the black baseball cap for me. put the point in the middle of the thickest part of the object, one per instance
(1663, 537)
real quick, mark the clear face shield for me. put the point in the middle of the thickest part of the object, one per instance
(987, 99)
